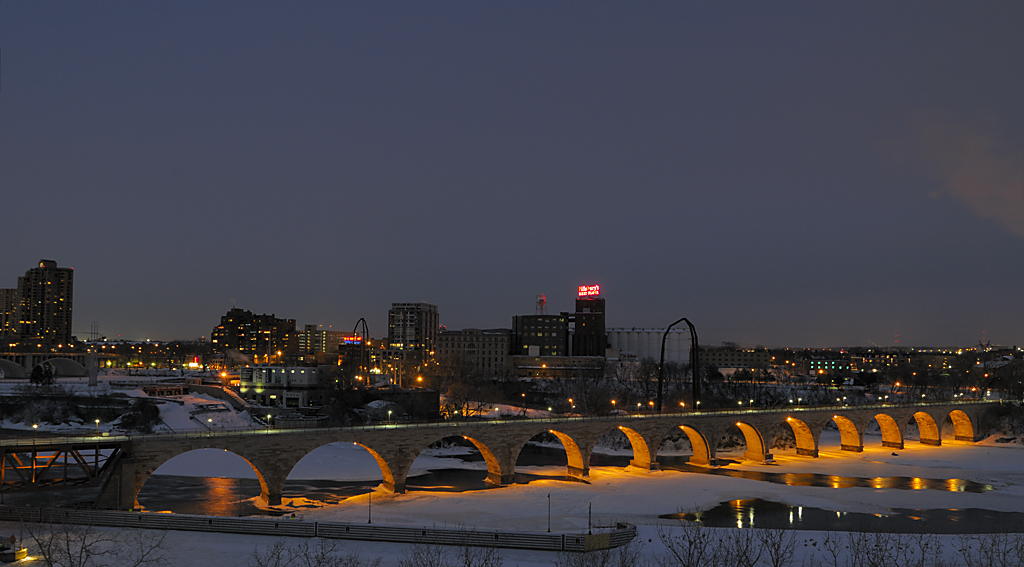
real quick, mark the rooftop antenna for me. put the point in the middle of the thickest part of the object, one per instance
(542, 304)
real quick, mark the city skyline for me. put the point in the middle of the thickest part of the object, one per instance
(801, 176)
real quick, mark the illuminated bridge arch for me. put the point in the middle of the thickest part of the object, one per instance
(641, 451)
(702, 454)
(806, 440)
(850, 436)
(963, 429)
(757, 449)
(575, 462)
(892, 435)
(929, 430)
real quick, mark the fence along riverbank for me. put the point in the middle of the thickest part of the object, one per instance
(618, 536)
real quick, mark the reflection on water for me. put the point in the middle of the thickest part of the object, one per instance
(766, 514)
(831, 481)
(236, 497)
(195, 495)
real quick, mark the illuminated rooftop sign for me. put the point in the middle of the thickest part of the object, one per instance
(589, 290)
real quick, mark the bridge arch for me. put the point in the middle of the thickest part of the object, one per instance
(929, 430)
(577, 452)
(963, 429)
(757, 449)
(849, 435)
(497, 472)
(573, 456)
(892, 436)
(641, 451)
(699, 443)
(806, 440)
(388, 477)
(142, 476)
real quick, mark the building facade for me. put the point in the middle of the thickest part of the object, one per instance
(43, 304)
(540, 335)
(8, 312)
(259, 337)
(486, 350)
(283, 386)
(588, 336)
(557, 366)
(646, 343)
(312, 340)
(412, 330)
(734, 358)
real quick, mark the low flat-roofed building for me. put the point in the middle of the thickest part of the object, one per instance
(734, 358)
(283, 386)
(524, 366)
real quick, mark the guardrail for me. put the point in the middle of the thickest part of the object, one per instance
(618, 536)
(451, 423)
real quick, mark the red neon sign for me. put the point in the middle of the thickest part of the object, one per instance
(589, 290)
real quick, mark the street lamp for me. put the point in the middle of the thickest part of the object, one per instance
(97, 428)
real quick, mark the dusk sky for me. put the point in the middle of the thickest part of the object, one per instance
(785, 174)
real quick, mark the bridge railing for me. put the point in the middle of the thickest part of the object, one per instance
(52, 440)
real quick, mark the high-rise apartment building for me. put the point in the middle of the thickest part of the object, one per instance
(8, 312)
(258, 336)
(43, 303)
(412, 330)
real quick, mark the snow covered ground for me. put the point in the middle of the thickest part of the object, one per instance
(623, 495)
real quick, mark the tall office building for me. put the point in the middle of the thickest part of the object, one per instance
(412, 330)
(44, 303)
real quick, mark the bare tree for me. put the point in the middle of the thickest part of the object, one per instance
(629, 555)
(69, 545)
(779, 546)
(992, 550)
(317, 552)
(434, 555)
(742, 547)
(691, 545)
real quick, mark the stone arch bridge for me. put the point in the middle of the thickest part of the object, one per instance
(273, 453)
